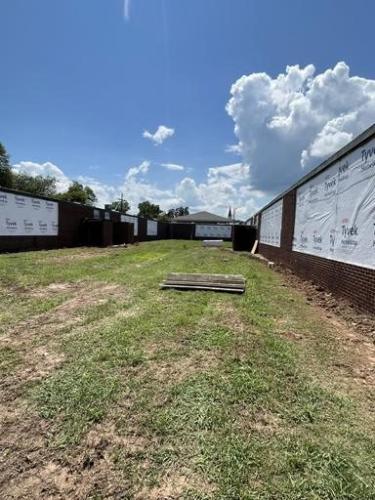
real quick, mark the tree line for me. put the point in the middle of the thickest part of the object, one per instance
(40, 185)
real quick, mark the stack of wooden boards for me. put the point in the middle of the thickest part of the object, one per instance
(233, 283)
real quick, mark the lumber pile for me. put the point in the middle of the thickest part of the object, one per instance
(233, 283)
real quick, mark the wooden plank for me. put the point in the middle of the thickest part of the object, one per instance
(208, 275)
(234, 283)
(209, 288)
(204, 283)
(215, 278)
(255, 246)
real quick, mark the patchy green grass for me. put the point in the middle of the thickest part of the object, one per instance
(9, 359)
(194, 394)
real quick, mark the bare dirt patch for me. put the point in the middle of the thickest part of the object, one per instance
(54, 289)
(46, 473)
(32, 467)
(178, 368)
(353, 331)
(65, 314)
(23, 445)
(336, 308)
(28, 465)
(85, 253)
(293, 335)
(42, 292)
(36, 339)
(261, 421)
(173, 484)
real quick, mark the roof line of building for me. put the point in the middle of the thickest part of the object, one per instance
(57, 200)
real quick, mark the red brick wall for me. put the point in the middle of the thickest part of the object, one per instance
(352, 282)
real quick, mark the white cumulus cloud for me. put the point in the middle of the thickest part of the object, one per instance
(225, 186)
(295, 120)
(46, 169)
(173, 166)
(143, 168)
(160, 135)
(222, 186)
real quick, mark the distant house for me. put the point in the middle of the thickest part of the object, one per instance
(203, 218)
(206, 225)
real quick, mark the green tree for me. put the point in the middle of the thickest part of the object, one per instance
(163, 217)
(177, 212)
(147, 209)
(182, 211)
(79, 193)
(6, 174)
(120, 205)
(38, 185)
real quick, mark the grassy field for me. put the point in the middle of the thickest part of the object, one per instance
(111, 388)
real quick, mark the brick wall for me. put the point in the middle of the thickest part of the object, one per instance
(352, 282)
(72, 217)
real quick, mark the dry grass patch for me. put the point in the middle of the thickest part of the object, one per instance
(230, 316)
(176, 484)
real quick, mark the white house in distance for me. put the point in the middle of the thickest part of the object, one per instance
(207, 225)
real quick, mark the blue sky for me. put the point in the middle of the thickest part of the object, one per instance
(81, 83)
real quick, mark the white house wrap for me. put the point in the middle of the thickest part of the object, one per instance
(212, 231)
(335, 211)
(270, 228)
(131, 220)
(27, 216)
(152, 228)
